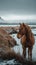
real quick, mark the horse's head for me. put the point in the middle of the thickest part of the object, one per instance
(22, 30)
(19, 35)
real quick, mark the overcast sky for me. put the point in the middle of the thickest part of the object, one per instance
(17, 7)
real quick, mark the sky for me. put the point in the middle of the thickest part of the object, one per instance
(18, 9)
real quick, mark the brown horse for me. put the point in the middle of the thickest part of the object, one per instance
(27, 39)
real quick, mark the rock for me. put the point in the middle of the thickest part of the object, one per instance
(12, 41)
(6, 42)
(5, 37)
(3, 32)
(3, 41)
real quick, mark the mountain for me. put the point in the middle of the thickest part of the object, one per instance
(2, 20)
(29, 21)
(16, 22)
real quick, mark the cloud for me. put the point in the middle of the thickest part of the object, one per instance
(17, 7)
(19, 17)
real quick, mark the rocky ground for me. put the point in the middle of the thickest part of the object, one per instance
(10, 29)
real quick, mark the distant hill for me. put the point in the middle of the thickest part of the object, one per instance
(16, 22)
(1, 20)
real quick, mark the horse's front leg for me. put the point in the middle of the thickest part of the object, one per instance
(30, 53)
(24, 52)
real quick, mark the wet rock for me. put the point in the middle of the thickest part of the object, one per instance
(11, 30)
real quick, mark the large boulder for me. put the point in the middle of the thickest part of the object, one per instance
(3, 32)
(6, 43)
(11, 40)
(6, 37)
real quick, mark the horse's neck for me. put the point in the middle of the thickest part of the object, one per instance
(26, 30)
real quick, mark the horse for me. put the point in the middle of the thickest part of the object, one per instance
(27, 39)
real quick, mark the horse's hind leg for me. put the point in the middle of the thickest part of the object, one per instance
(24, 52)
(30, 53)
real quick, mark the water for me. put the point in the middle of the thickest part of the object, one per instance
(8, 25)
(15, 25)
(19, 49)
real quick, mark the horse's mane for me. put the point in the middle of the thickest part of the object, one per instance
(27, 28)
(28, 31)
